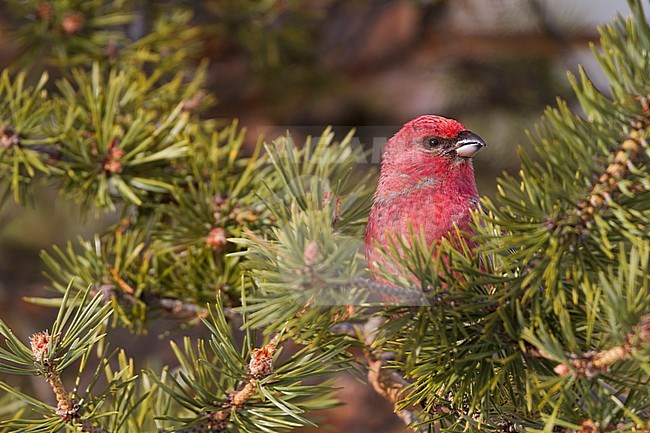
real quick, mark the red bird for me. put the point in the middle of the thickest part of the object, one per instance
(426, 183)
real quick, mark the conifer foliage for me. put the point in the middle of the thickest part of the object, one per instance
(544, 328)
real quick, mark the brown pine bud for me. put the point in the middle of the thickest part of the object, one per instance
(245, 216)
(562, 369)
(311, 253)
(589, 426)
(217, 238)
(8, 137)
(73, 22)
(596, 200)
(113, 166)
(112, 49)
(39, 343)
(44, 11)
(240, 397)
(261, 363)
(112, 163)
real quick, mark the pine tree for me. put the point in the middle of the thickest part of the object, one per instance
(545, 328)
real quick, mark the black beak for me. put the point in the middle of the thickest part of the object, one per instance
(468, 144)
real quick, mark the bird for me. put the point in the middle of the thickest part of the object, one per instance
(426, 184)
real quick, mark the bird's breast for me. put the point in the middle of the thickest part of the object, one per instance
(434, 213)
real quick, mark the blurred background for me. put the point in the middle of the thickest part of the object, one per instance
(279, 65)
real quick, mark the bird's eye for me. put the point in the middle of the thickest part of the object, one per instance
(433, 142)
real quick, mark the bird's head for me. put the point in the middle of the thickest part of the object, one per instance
(428, 144)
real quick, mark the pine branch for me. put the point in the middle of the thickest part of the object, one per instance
(410, 296)
(259, 367)
(626, 157)
(387, 383)
(154, 301)
(53, 152)
(9, 138)
(67, 408)
(75, 332)
(589, 426)
(176, 306)
(391, 385)
(592, 363)
(88, 427)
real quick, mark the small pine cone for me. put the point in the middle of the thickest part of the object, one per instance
(112, 166)
(311, 253)
(39, 343)
(261, 363)
(562, 369)
(73, 22)
(596, 200)
(245, 216)
(345, 314)
(217, 238)
(8, 137)
(588, 426)
(112, 163)
(219, 201)
(44, 11)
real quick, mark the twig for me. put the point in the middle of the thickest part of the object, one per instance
(589, 426)
(413, 296)
(592, 363)
(629, 153)
(347, 328)
(51, 151)
(387, 383)
(259, 367)
(390, 385)
(88, 427)
(67, 408)
(169, 305)
(176, 306)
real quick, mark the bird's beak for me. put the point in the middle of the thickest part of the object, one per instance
(468, 144)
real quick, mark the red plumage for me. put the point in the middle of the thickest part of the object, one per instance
(426, 182)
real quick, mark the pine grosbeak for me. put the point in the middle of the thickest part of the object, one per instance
(426, 184)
